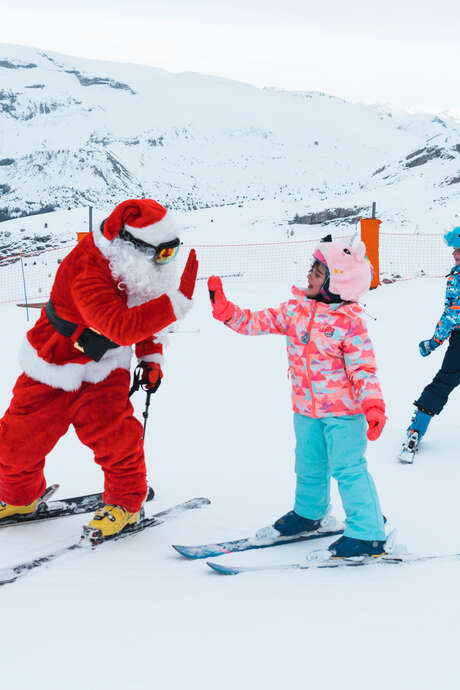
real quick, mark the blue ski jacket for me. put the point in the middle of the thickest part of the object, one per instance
(450, 318)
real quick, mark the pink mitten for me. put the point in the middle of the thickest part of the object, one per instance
(222, 309)
(374, 411)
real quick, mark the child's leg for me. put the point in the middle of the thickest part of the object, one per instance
(346, 444)
(312, 489)
(435, 395)
(29, 430)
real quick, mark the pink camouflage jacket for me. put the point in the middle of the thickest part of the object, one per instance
(331, 360)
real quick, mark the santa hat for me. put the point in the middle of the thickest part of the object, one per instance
(145, 219)
(349, 271)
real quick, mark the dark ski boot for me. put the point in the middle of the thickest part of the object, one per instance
(292, 524)
(347, 547)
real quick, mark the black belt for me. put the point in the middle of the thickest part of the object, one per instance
(93, 344)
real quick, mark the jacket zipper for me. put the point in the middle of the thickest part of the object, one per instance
(307, 361)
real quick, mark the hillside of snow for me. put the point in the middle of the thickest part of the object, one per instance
(136, 615)
(76, 132)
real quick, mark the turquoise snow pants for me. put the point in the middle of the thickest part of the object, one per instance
(335, 446)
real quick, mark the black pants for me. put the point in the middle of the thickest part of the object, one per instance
(435, 395)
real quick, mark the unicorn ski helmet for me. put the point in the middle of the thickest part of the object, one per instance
(452, 238)
(349, 272)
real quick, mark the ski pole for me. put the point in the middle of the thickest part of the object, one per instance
(137, 383)
(145, 413)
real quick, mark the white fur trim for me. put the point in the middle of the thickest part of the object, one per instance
(101, 242)
(155, 357)
(164, 230)
(70, 376)
(163, 337)
(181, 304)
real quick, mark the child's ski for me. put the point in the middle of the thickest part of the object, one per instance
(220, 548)
(331, 563)
(48, 510)
(11, 574)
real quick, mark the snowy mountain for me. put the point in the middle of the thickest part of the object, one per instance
(78, 132)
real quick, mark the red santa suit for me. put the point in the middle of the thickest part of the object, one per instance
(108, 285)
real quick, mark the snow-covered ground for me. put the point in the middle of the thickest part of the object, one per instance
(135, 615)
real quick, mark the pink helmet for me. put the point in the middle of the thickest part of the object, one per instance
(349, 270)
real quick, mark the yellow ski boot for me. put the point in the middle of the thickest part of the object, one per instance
(7, 510)
(110, 520)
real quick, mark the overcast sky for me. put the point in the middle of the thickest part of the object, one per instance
(404, 52)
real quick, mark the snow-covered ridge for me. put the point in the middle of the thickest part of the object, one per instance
(77, 132)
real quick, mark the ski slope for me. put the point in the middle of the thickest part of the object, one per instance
(134, 615)
(76, 131)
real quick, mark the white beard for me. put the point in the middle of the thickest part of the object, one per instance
(137, 275)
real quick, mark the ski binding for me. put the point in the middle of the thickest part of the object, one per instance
(409, 448)
(49, 510)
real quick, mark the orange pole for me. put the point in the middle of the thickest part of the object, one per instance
(370, 236)
(81, 235)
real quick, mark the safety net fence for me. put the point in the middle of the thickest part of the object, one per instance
(402, 257)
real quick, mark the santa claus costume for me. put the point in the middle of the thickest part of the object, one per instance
(117, 288)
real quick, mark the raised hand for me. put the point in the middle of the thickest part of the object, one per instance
(222, 309)
(188, 279)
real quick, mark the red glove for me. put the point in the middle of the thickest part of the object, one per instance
(374, 411)
(151, 375)
(222, 309)
(188, 279)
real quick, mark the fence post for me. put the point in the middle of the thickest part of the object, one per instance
(81, 235)
(24, 282)
(370, 231)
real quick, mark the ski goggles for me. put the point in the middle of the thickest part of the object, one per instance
(160, 254)
(166, 252)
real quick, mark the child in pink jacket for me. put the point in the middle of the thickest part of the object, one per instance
(336, 395)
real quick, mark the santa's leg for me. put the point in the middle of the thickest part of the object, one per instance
(103, 420)
(29, 430)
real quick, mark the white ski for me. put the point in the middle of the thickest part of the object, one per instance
(330, 563)
(91, 538)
